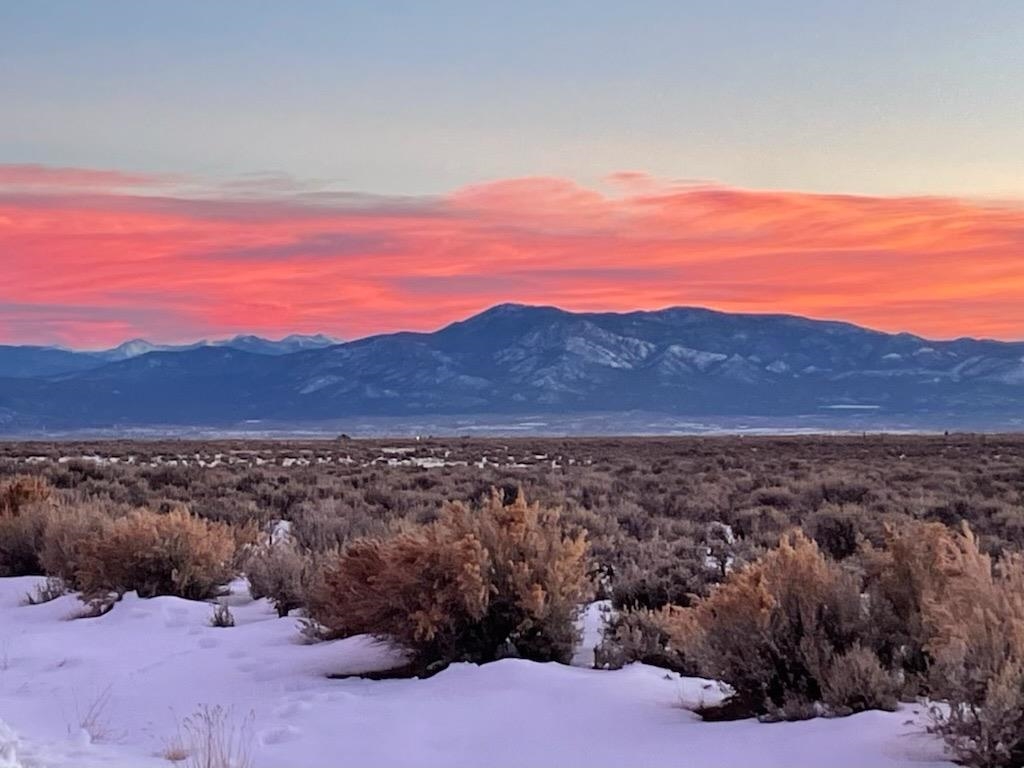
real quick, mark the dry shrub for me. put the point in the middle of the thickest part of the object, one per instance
(20, 491)
(856, 680)
(214, 738)
(283, 573)
(222, 616)
(246, 535)
(158, 554)
(835, 529)
(68, 529)
(474, 585)
(22, 522)
(784, 633)
(911, 570)
(642, 635)
(21, 538)
(977, 644)
(660, 572)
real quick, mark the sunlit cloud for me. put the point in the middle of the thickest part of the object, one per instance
(90, 257)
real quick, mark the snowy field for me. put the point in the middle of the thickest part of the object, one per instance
(116, 690)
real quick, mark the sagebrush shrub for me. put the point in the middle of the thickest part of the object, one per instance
(976, 642)
(673, 572)
(283, 573)
(20, 491)
(476, 584)
(21, 539)
(784, 633)
(157, 554)
(856, 680)
(642, 635)
(68, 528)
(23, 511)
(911, 570)
(835, 529)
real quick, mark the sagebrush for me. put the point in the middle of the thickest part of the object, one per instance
(477, 584)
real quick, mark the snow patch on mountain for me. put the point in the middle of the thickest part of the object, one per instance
(318, 383)
(698, 358)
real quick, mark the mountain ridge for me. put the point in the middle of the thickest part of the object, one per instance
(29, 361)
(515, 358)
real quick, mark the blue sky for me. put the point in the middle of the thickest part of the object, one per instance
(411, 98)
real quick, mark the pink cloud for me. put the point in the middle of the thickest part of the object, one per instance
(91, 257)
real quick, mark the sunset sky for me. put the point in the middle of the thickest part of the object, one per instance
(196, 170)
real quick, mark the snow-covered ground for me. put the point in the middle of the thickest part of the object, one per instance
(114, 690)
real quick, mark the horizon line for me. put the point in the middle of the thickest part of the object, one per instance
(211, 342)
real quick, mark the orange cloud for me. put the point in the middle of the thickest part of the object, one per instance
(91, 257)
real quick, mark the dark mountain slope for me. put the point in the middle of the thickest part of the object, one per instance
(518, 359)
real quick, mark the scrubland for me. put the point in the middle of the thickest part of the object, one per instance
(810, 577)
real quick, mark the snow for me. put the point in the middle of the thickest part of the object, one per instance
(143, 668)
(8, 747)
(592, 623)
(699, 358)
(317, 383)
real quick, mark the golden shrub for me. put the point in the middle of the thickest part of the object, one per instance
(157, 554)
(473, 585)
(20, 491)
(784, 633)
(910, 570)
(68, 528)
(976, 629)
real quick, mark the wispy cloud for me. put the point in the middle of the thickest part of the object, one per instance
(172, 259)
(46, 177)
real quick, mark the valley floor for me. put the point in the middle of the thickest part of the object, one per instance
(116, 691)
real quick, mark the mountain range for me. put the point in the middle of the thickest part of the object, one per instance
(515, 359)
(34, 361)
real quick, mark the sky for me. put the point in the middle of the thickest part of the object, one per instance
(193, 170)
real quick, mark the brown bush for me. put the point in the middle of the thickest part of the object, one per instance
(672, 573)
(22, 522)
(977, 643)
(472, 586)
(157, 554)
(21, 538)
(855, 681)
(283, 573)
(645, 636)
(911, 570)
(21, 490)
(68, 528)
(836, 531)
(784, 633)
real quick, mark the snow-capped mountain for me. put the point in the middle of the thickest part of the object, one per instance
(521, 359)
(293, 343)
(138, 347)
(31, 361)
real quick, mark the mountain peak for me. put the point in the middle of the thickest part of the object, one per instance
(515, 358)
(130, 348)
(138, 347)
(295, 342)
